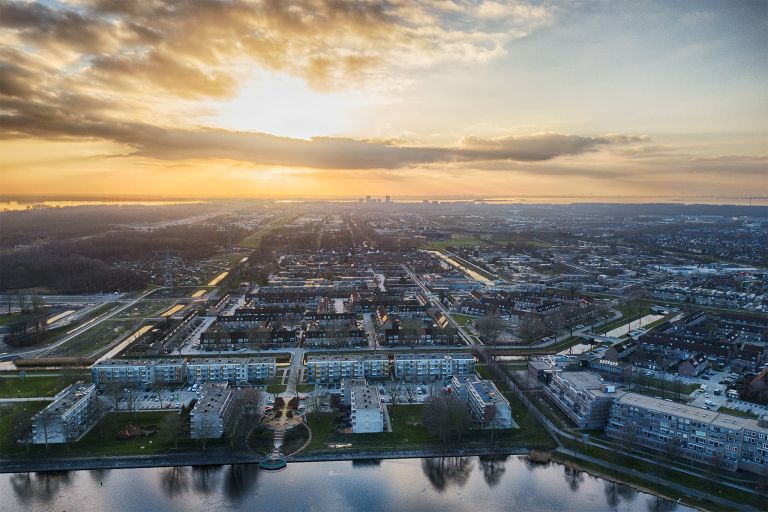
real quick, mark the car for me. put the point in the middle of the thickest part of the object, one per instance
(705, 378)
(706, 395)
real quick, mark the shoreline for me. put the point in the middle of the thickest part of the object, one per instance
(216, 458)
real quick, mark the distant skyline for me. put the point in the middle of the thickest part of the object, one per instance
(321, 98)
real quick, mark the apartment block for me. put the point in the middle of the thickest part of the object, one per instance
(68, 417)
(146, 372)
(210, 415)
(337, 367)
(233, 370)
(697, 435)
(582, 396)
(366, 409)
(426, 367)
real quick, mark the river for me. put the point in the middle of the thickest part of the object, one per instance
(439, 484)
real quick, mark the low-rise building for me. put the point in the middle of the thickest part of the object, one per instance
(141, 372)
(366, 409)
(231, 369)
(615, 371)
(426, 367)
(695, 434)
(68, 417)
(337, 367)
(582, 396)
(209, 417)
(693, 366)
(487, 405)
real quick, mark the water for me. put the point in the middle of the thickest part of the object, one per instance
(455, 483)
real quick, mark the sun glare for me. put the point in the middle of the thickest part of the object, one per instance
(287, 106)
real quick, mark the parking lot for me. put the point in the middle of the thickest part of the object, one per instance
(154, 400)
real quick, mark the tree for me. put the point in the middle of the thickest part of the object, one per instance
(204, 429)
(21, 426)
(114, 394)
(489, 328)
(446, 416)
(44, 421)
(173, 426)
(493, 467)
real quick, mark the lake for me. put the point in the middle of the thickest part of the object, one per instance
(439, 484)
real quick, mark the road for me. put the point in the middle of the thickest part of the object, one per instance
(76, 332)
(469, 340)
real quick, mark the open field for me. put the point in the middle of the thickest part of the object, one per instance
(30, 386)
(459, 241)
(254, 241)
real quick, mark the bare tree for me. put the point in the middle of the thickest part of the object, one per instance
(44, 421)
(21, 426)
(204, 429)
(173, 426)
(446, 417)
(489, 328)
(114, 394)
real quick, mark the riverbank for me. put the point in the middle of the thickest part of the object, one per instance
(220, 457)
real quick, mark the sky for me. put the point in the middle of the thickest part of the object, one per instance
(443, 98)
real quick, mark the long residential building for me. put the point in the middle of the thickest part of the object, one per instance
(68, 417)
(139, 372)
(231, 369)
(337, 367)
(174, 372)
(692, 433)
(426, 367)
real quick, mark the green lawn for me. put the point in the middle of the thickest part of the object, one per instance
(254, 241)
(14, 387)
(276, 388)
(7, 415)
(463, 319)
(458, 241)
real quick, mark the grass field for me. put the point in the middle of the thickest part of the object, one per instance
(459, 241)
(14, 387)
(8, 412)
(254, 241)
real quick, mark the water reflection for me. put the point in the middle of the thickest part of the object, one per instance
(657, 504)
(240, 481)
(205, 479)
(615, 493)
(433, 485)
(174, 481)
(574, 477)
(493, 468)
(39, 487)
(442, 471)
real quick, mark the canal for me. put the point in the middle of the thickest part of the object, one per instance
(439, 484)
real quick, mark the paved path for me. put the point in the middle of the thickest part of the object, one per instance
(27, 399)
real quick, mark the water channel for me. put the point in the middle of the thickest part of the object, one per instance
(439, 484)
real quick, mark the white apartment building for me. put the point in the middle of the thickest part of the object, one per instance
(367, 410)
(146, 372)
(210, 415)
(426, 367)
(337, 367)
(234, 370)
(68, 417)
